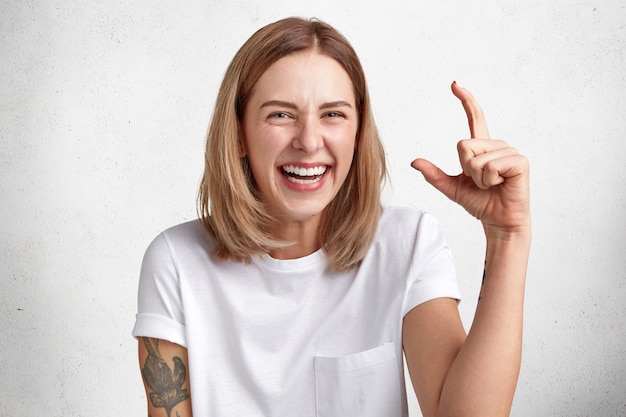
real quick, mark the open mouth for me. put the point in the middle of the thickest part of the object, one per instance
(301, 175)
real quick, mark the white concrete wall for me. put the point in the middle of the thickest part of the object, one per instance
(103, 110)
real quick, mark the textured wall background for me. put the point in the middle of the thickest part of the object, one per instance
(103, 110)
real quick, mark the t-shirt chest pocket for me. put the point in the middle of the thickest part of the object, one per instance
(363, 384)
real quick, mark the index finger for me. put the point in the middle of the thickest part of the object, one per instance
(475, 116)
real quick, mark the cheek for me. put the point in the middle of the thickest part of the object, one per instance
(263, 152)
(344, 158)
(265, 139)
(345, 144)
(258, 144)
(259, 166)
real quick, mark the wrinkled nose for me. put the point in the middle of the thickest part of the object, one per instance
(308, 138)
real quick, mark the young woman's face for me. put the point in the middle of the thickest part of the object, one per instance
(299, 126)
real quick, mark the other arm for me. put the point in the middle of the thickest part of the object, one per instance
(164, 372)
(453, 375)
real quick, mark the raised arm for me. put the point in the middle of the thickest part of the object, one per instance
(478, 375)
(164, 372)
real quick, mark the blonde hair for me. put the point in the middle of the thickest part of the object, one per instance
(229, 206)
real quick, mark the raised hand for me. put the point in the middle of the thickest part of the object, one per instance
(493, 186)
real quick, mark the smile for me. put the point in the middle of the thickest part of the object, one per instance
(301, 175)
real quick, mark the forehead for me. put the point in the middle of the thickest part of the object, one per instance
(305, 72)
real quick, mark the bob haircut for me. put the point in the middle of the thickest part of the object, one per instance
(229, 205)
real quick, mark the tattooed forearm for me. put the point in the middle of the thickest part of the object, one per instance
(166, 385)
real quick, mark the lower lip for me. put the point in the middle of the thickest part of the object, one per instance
(305, 185)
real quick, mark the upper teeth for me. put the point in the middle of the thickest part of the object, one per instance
(304, 172)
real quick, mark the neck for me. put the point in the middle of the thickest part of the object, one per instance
(304, 235)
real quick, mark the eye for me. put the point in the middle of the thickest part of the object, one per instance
(280, 118)
(333, 114)
(279, 115)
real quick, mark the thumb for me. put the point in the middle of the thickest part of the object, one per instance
(436, 177)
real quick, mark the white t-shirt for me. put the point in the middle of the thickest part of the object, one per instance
(287, 337)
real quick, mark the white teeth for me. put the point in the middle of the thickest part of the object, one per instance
(304, 172)
(301, 181)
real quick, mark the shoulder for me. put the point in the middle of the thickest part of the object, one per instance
(406, 233)
(397, 221)
(185, 238)
(187, 232)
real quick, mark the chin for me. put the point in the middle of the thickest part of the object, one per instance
(302, 214)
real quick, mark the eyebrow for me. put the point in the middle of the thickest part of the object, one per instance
(290, 105)
(339, 103)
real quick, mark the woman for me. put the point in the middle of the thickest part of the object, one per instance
(296, 293)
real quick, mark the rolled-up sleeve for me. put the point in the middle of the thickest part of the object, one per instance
(159, 304)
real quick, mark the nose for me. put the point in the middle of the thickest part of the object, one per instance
(309, 137)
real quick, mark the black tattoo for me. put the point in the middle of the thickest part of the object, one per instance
(166, 385)
(480, 294)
